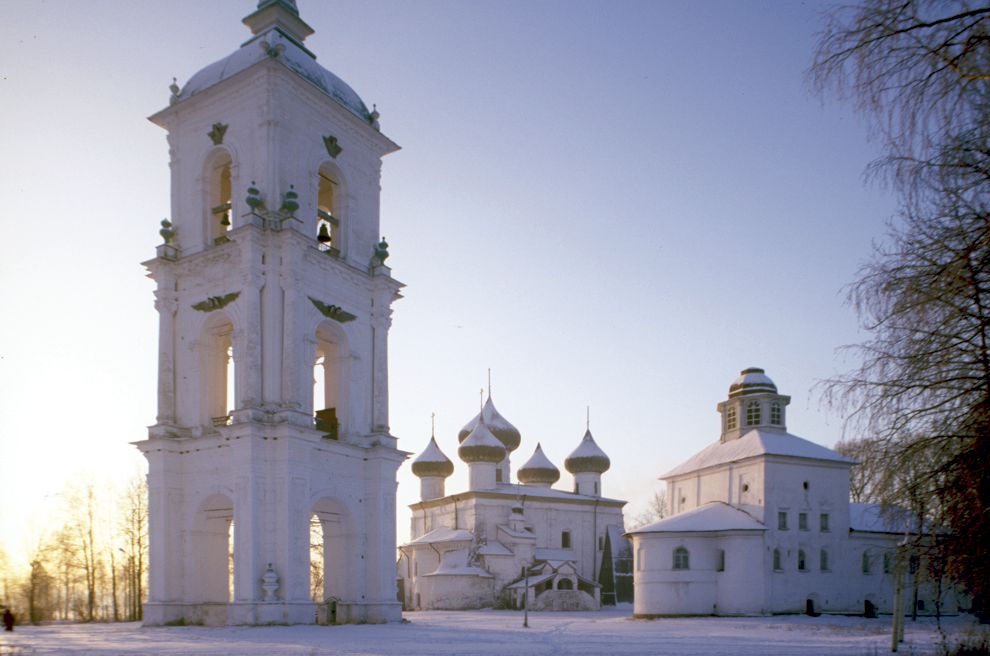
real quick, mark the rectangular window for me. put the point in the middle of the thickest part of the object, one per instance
(720, 563)
(565, 540)
(803, 521)
(824, 561)
(782, 520)
(824, 523)
(888, 562)
(601, 543)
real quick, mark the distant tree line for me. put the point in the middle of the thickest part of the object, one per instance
(919, 399)
(90, 564)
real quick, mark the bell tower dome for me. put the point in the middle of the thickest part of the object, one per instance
(274, 305)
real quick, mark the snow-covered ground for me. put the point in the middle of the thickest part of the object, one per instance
(610, 632)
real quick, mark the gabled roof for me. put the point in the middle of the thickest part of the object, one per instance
(556, 555)
(460, 570)
(757, 443)
(494, 548)
(711, 517)
(444, 534)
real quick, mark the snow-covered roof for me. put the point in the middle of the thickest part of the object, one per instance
(711, 517)
(293, 56)
(460, 570)
(444, 534)
(555, 555)
(756, 443)
(512, 533)
(494, 548)
(872, 517)
(518, 491)
(532, 581)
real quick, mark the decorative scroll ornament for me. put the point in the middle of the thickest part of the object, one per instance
(333, 148)
(334, 312)
(216, 134)
(215, 302)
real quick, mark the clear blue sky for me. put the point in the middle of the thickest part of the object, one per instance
(614, 204)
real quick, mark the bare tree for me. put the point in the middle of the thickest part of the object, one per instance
(134, 535)
(917, 68)
(656, 509)
(920, 70)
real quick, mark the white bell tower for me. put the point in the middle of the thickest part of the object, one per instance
(274, 309)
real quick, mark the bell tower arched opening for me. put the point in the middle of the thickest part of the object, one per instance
(329, 376)
(329, 210)
(219, 197)
(333, 551)
(217, 369)
(211, 550)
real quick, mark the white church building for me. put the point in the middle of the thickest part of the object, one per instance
(271, 275)
(505, 544)
(760, 522)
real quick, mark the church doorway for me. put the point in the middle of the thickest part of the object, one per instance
(811, 607)
(869, 609)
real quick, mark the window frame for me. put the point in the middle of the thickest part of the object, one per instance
(782, 520)
(753, 413)
(681, 559)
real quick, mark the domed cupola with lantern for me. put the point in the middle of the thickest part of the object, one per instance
(753, 403)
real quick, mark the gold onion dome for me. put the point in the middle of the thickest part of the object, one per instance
(751, 381)
(587, 457)
(498, 425)
(481, 446)
(538, 469)
(432, 462)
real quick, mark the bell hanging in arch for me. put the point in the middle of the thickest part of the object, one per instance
(324, 236)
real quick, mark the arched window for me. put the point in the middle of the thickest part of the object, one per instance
(777, 565)
(565, 539)
(867, 565)
(328, 212)
(730, 418)
(823, 561)
(681, 558)
(752, 413)
(565, 584)
(802, 561)
(220, 196)
(775, 416)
